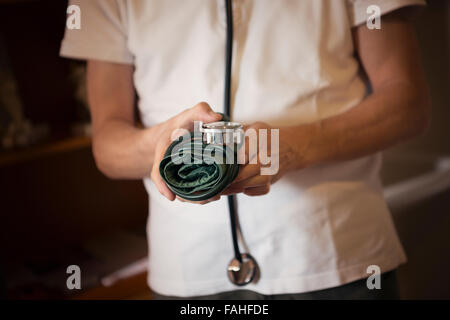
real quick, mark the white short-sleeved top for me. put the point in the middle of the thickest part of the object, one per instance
(293, 63)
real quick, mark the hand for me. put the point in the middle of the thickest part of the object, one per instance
(169, 130)
(282, 150)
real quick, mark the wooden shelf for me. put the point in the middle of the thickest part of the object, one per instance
(11, 157)
(16, 1)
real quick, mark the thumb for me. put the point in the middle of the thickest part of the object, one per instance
(200, 112)
(203, 112)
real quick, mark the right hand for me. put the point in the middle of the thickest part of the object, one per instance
(184, 120)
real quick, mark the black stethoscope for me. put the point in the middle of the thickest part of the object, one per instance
(243, 268)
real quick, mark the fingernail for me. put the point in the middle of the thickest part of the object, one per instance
(169, 196)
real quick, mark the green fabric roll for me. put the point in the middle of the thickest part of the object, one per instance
(206, 175)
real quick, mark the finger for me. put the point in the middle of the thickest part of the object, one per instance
(199, 202)
(200, 112)
(254, 181)
(255, 125)
(231, 191)
(257, 191)
(248, 171)
(215, 198)
(249, 153)
(156, 177)
(190, 201)
(161, 185)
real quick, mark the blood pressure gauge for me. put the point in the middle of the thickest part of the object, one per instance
(222, 132)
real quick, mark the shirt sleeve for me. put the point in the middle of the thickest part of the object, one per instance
(102, 35)
(358, 8)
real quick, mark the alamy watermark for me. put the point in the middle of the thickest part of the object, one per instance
(261, 149)
(374, 280)
(74, 17)
(74, 280)
(374, 18)
(73, 21)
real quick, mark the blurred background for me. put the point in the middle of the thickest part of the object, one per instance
(57, 209)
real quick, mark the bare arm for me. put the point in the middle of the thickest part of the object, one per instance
(122, 150)
(398, 109)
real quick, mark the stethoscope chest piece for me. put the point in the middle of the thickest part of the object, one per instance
(222, 133)
(242, 272)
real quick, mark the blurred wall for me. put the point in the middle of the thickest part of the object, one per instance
(433, 31)
(425, 227)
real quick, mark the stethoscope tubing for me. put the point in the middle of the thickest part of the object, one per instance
(227, 112)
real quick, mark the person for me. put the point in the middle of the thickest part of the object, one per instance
(338, 91)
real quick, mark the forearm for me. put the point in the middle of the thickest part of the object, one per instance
(123, 151)
(120, 149)
(395, 112)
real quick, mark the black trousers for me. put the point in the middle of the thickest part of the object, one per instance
(356, 290)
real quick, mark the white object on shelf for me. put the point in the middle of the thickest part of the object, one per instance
(130, 270)
(416, 189)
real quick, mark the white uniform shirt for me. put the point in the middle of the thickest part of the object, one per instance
(293, 63)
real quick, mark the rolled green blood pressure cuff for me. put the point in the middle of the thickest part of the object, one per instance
(197, 171)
